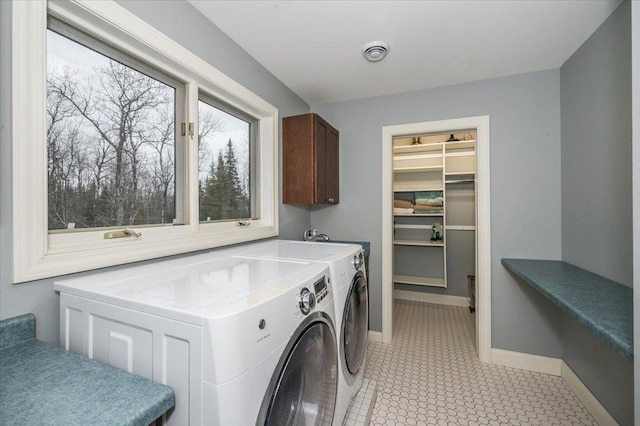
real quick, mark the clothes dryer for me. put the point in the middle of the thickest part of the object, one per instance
(241, 341)
(348, 279)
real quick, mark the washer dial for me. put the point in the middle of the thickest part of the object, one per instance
(306, 300)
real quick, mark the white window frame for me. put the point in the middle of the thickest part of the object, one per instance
(40, 254)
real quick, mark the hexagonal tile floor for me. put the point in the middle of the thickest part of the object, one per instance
(430, 374)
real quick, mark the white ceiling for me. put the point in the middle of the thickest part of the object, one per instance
(314, 46)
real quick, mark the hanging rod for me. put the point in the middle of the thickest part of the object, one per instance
(460, 181)
(460, 228)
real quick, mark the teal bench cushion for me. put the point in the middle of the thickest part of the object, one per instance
(44, 384)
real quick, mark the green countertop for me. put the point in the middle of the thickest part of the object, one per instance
(602, 305)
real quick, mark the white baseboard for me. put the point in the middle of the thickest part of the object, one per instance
(591, 403)
(375, 336)
(438, 299)
(523, 361)
(556, 367)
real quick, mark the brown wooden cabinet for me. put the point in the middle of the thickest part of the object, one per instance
(310, 160)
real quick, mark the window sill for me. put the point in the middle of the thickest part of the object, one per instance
(97, 252)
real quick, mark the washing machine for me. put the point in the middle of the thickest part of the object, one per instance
(241, 341)
(348, 279)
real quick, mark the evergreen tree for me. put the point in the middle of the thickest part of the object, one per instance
(210, 202)
(234, 197)
(222, 194)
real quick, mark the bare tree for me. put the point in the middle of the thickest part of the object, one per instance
(163, 170)
(208, 124)
(67, 158)
(120, 105)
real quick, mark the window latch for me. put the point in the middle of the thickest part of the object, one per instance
(188, 128)
(243, 223)
(122, 233)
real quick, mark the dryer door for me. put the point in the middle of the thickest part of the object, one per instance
(355, 324)
(304, 386)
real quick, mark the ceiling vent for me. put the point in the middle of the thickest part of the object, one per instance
(375, 51)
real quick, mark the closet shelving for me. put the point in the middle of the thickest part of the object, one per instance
(416, 280)
(419, 169)
(419, 243)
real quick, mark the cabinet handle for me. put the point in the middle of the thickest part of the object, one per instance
(330, 200)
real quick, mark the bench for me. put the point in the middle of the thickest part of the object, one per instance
(44, 384)
(604, 306)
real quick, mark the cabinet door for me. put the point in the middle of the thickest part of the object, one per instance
(326, 162)
(332, 167)
(298, 166)
(124, 346)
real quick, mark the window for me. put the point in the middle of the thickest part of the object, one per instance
(124, 128)
(111, 124)
(224, 163)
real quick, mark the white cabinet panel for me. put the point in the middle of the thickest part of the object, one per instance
(175, 352)
(73, 330)
(120, 345)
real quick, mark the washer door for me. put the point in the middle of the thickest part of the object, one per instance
(355, 324)
(304, 386)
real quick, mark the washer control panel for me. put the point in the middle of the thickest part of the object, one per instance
(321, 289)
(308, 297)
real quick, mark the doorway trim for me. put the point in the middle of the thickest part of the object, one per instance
(483, 221)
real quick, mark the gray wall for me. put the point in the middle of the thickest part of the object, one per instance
(607, 374)
(596, 151)
(461, 245)
(635, 84)
(597, 194)
(525, 187)
(197, 34)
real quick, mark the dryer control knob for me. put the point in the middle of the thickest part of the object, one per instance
(306, 300)
(358, 260)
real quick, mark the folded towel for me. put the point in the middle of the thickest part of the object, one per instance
(402, 203)
(401, 210)
(424, 200)
(428, 194)
(429, 203)
(427, 208)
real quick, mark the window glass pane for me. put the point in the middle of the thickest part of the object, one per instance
(110, 141)
(224, 165)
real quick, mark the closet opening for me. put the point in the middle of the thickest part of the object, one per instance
(436, 237)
